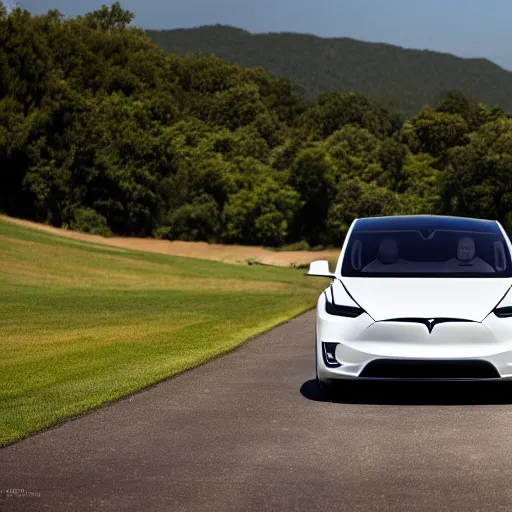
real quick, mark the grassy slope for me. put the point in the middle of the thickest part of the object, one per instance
(286, 256)
(82, 324)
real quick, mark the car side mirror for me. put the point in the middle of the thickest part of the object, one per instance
(319, 269)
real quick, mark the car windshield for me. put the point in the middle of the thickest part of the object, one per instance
(426, 253)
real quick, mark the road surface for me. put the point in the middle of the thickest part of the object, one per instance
(249, 432)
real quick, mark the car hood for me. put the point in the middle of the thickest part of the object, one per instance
(389, 298)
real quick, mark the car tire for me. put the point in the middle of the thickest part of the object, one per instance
(325, 389)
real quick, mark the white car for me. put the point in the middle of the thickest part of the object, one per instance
(417, 297)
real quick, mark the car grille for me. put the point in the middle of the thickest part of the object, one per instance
(410, 369)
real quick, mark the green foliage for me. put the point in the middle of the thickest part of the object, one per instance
(392, 158)
(302, 245)
(262, 214)
(355, 153)
(110, 17)
(309, 175)
(479, 179)
(103, 131)
(422, 184)
(194, 221)
(435, 132)
(457, 103)
(87, 220)
(359, 199)
(487, 114)
(333, 110)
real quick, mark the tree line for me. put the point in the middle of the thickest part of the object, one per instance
(102, 131)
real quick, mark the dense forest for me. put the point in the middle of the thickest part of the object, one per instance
(403, 79)
(103, 131)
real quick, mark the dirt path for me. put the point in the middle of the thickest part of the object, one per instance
(202, 250)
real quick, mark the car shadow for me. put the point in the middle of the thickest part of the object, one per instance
(412, 393)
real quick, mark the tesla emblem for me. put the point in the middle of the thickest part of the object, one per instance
(429, 323)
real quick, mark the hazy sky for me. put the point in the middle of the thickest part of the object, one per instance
(469, 28)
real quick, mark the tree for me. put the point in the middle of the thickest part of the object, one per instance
(333, 110)
(309, 176)
(392, 158)
(237, 107)
(474, 113)
(110, 17)
(487, 114)
(455, 102)
(421, 187)
(435, 133)
(261, 214)
(15, 132)
(359, 199)
(478, 181)
(355, 153)
(193, 221)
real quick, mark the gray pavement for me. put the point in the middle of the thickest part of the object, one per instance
(250, 432)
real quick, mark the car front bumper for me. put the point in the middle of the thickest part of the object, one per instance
(362, 341)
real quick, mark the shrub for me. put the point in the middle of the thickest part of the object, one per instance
(296, 246)
(90, 221)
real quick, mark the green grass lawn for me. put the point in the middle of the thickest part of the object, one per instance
(83, 324)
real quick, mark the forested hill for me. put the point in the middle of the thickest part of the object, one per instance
(405, 79)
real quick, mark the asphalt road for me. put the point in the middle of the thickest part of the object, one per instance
(249, 432)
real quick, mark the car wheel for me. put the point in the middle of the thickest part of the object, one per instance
(325, 388)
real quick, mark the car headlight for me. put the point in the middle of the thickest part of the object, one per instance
(504, 307)
(504, 312)
(348, 311)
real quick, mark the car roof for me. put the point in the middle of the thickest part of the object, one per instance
(426, 222)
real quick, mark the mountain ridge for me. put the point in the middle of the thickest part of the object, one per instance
(405, 78)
